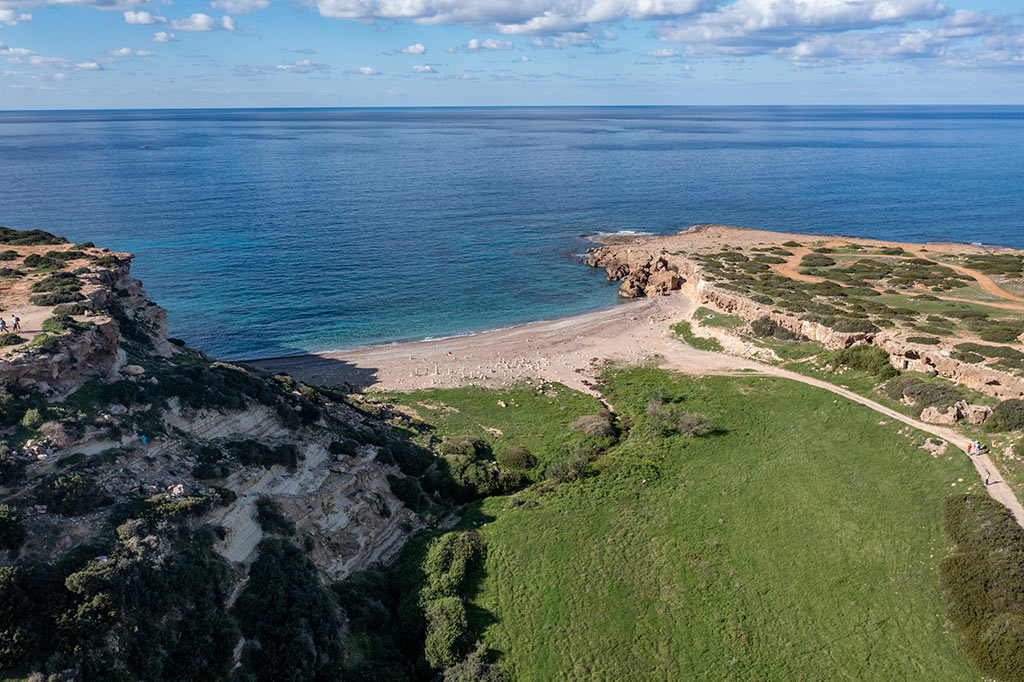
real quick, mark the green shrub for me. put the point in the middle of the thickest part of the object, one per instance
(870, 359)
(446, 567)
(465, 446)
(271, 519)
(924, 394)
(1001, 333)
(60, 324)
(32, 419)
(814, 260)
(767, 328)
(69, 495)
(345, 446)
(28, 237)
(10, 339)
(408, 490)
(968, 356)
(596, 425)
(34, 260)
(65, 309)
(669, 418)
(1007, 416)
(43, 343)
(568, 468)
(982, 583)
(851, 325)
(474, 668)
(12, 528)
(291, 623)
(9, 254)
(924, 340)
(517, 457)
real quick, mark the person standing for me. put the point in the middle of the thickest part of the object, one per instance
(16, 323)
(986, 479)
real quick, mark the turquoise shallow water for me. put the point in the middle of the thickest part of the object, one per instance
(271, 232)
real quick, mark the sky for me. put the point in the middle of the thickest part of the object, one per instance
(88, 54)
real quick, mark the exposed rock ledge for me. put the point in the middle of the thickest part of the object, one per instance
(637, 262)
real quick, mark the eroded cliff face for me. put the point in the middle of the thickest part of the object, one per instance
(109, 411)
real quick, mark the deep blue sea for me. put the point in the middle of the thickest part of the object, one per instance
(272, 232)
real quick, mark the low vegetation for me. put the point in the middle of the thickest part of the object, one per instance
(983, 580)
(684, 332)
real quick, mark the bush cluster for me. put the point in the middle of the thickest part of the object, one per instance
(599, 425)
(767, 328)
(982, 582)
(271, 519)
(217, 460)
(145, 603)
(56, 288)
(517, 457)
(924, 393)
(291, 623)
(446, 568)
(12, 528)
(668, 418)
(870, 359)
(1007, 416)
(28, 237)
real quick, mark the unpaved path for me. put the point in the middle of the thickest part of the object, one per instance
(572, 351)
(791, 269)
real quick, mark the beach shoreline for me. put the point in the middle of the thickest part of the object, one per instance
(569, 349)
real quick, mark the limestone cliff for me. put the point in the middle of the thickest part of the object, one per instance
(101, 408)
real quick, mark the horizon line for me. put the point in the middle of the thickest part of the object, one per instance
(517, 106)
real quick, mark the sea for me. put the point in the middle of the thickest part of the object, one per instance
(270, 232)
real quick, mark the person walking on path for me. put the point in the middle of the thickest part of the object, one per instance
(986, 479)
(16, 326)
(3, 325)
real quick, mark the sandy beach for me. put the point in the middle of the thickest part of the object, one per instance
(566, 350)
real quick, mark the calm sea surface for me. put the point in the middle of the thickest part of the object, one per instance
(271, 232)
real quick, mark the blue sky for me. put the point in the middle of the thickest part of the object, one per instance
(215, 53)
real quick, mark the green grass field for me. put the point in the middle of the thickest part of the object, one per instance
(801, 540)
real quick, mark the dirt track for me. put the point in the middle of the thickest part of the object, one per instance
(571, 351)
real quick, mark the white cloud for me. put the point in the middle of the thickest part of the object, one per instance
(367, 71)
(203, 22)
(240, 6)
(163, 37)
(52, 62)
(754, 26)
(475, 44)
(423, 68)
(509, 16)
(128, 52)
(663, 52)
(418, 48)
(573, 39)
(142, 17)
(524, 58)
(6, 51)
(8, 17)
(302, 66)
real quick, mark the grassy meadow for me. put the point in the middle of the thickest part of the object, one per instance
(800, 539)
